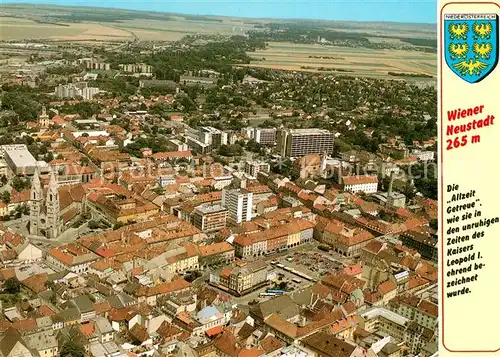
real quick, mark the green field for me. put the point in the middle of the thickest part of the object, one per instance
(363, 62)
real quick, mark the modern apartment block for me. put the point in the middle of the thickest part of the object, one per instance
(209, 218)
(68, 91)
(265, 136)
(197, 145)
(213, 136)
(300, 142)
(239, 205)
(136, 68)
(252, 168)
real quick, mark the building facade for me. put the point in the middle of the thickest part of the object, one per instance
(209, 218)
(239, 205)
(300, 142)
(45, 219)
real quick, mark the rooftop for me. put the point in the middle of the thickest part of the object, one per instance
(206, 209)
(376, 312)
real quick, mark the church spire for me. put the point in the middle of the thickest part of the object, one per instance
(36, 186)
(53, 186)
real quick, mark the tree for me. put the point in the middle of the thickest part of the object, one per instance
(12, 285)
(5, 196)
(20, 184)
(71, 348)
(93, 225)
(118, 225)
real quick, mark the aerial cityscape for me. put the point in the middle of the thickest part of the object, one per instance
(200, 185)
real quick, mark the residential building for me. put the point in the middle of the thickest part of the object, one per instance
(386, 321)
(252, 168)
(72, 257)
(424, 242)
(104, 330)
(213, 316)
(343, 238)
(200, 81)
(300, 142)
(242, 278)
(274, 237)
(424, 312)
(325, 345)
(85, 307)
(210, 217)
(239, 205)
(43, 342)
(177, 145)
(398, 149)
(136, 68)
(212, 136)
(360, 183)
(265, 136)
(70, 91)
(422, 341)
(422, 155)
(198, 145)
(215, 254)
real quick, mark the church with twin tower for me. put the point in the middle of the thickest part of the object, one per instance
(45, 218)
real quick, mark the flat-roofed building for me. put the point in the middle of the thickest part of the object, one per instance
(265, 136)
(213, 136)
(21, 161)
(239, 204)
(198, 146)
(210, 218)
(300, 142)
(252, 168)
(386, 321)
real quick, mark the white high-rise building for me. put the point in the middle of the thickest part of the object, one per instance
(89, 92)
(252, 168)
(239, 205)
(80, 89)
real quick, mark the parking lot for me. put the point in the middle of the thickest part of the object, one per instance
(306, 259)
(312, 263)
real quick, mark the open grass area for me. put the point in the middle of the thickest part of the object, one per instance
(177, 28)
(362, 62)
(22, 29)
(144, 29)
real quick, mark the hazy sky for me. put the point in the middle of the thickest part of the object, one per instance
(350, 10)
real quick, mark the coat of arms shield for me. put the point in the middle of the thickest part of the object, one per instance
(471, 45)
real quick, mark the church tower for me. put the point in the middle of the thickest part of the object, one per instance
(35, 203)
(43, 119)
(53, 228)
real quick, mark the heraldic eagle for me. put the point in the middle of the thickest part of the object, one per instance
(458, 31)
(482, 50)
(470, 67)
(458, 50)
(482, 30)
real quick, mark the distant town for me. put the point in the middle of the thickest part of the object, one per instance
(168, 199)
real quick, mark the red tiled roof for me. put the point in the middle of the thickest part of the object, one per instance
(214, 331)
(25, 325)
(387, 287)
(359, 180)
(46, 311)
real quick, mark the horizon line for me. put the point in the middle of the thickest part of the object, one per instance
(218, 16)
